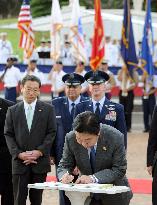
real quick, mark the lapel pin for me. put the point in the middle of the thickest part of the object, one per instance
(104, 148)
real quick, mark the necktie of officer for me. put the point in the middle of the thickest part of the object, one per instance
(72, 110)
(92, 159)
(29, 117)
(97, 110)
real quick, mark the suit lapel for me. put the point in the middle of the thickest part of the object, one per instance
(90, 106)
(102, 147)
(104, 110)
(65, 110)
(22, 117)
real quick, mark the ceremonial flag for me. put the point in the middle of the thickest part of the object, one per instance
(56, 26)
(27, 39)
(147, 42)
(128, 50)
(77, 36)
(98, 41)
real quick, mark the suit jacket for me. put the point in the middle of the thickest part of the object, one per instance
(64, 125)
(152, 141)
(5, 157)
(110, 164)
(111, 114)
(40, 137)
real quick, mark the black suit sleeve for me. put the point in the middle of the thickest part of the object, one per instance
(152, 141)
(10, 135)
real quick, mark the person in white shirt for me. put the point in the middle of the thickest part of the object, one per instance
(11, 78)
(111, 82)
(40, 50)
(80, 69)
(55, 76)
(33, 70)
(49, 60)
(126, 96)
(6, 49)
(66, 54)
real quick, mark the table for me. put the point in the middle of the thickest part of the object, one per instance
(78, 193)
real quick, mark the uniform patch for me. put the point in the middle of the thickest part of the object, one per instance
(111, 116)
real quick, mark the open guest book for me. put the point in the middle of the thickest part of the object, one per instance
(94, 188)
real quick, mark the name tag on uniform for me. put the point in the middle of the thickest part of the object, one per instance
(58, 116)
(145, 97)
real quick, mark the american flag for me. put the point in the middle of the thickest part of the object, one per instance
(27, 39)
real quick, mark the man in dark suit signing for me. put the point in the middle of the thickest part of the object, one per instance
(64, 107)
(6, 187)
(98, 152)
(152, 155)
(30, 131)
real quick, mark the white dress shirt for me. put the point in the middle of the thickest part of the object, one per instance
(26, 106)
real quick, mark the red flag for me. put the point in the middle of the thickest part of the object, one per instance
(98, 41)
(27, 39)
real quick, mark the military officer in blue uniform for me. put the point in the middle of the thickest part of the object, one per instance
(109, 113)
(64, 107)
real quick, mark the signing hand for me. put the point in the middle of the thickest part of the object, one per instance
(67, 178)
(84, 179)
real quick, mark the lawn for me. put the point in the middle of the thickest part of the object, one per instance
(14, 36)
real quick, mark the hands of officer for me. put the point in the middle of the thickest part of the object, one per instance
(149, 169)
(84, 179)
(67, 178)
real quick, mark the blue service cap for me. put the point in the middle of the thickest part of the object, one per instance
(73, 79)
(96, 77)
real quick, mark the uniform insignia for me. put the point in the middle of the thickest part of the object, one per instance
(111, 108)
(58, 116)
(112, 105)
(40, 110)
(111, 116)
(104, 148)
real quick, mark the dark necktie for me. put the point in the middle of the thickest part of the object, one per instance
(97, 111)
(72, 110)
(92, 159)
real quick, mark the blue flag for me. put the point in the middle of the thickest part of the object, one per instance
(147, 42)
(128, 50)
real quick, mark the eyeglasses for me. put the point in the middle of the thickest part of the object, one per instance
(28, 90)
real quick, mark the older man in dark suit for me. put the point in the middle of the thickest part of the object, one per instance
(98, 152)
(152, 155)
(6, 187)
(30, 131)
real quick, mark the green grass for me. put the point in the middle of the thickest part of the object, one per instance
(14, 36)
(8, 21)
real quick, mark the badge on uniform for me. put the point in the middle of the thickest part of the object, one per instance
(111, 116)
(104, 148)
